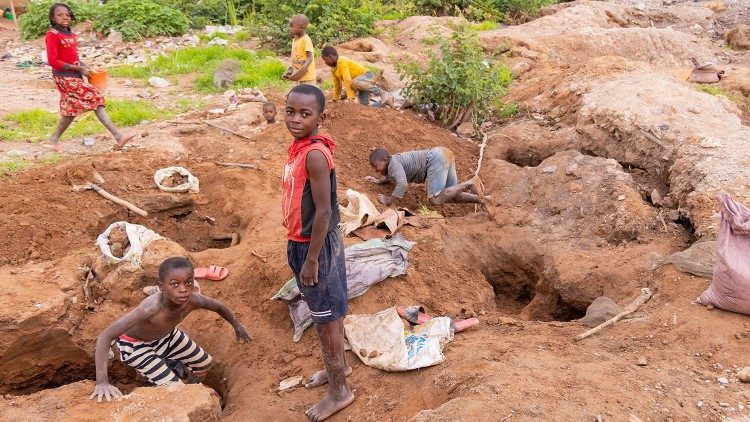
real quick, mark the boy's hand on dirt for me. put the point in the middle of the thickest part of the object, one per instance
(242, 334)
(309, 273)
(385, 200)
(107, 391)
(371, 179)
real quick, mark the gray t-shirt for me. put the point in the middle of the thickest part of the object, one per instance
(405, 168)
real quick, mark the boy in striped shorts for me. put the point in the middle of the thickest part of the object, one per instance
(147, 337)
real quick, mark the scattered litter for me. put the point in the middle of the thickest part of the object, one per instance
(158, 82)
(367, 263)
(181, 180)
(380, 341)
(359, 212)
(730, 288)
(138, 236)
(291, 383)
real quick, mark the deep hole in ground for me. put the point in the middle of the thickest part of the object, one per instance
(182, 220)
(523, 282)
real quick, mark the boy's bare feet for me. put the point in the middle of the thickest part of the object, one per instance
(54, 146)
(477, 186)
(328, 406)
(124, 140)
(321, 377)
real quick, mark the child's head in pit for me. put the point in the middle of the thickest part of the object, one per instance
(330, 56)
(269, 112)
(176, 279)
(298, 25)
(304, 111)
(379, 159)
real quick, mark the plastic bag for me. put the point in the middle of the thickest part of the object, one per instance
(138, 236)
(380, 341)
(730, 288)
(192, 184)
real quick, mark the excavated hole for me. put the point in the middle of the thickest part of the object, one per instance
(181, 220)
(525, 157)
(522, 282)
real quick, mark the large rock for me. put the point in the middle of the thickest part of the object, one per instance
(738, 37)
(36, 321)
(601, 310)
(71, 402)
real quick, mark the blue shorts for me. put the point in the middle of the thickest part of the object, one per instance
(328, 299)
(441, 171)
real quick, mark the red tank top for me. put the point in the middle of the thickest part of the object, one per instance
(298, 207)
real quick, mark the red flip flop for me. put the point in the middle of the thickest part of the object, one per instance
(212, 273)
(415, 315)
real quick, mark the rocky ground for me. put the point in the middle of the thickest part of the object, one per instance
(614, 159)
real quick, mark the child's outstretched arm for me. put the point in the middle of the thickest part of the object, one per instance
(103, 388)
(222, 309)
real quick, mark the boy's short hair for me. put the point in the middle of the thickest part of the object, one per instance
(307, 89)
(329, 51)
(269, 104)
(379, 154)
(173, 263)
(302, 18)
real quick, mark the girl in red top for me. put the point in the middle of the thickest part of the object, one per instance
(77, 96)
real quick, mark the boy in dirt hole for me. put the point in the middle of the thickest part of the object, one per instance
(147, 338)
(437, 168)
(355, 80)
(269, 112)
(315, 248)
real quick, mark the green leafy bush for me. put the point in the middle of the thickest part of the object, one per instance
(458, 82)
(331, 21)
(35, 22)
(201, 12)
(138, 19)
(484, 10)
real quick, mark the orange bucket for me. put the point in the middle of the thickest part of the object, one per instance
(99, 79)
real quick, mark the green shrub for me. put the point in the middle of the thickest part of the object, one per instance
(457, 79)
(201, 12)
(331, 21)
(138, 19)
(484, 10)
(35, 22)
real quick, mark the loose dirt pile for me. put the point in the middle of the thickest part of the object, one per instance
(612, 160)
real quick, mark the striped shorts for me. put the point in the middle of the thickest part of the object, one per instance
(149, 357)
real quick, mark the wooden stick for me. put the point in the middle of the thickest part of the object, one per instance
(227, 130)
(481, 152)
(240, 165)
(640, 300)
(117, 200)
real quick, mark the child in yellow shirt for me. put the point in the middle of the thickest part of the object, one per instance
(302, 70)
(355, 78)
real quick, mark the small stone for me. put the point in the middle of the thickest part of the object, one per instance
(700, 403)
(723, 380)
(144, 94)
(656, 198)
(642, 361)
(465, 130)
(519, 69)
(710, 143)
(722, 404)
(621, 197)
(114, 36)
(571, 169)
(744, 374)
(158, 82)
(549, 169)
(127, 82)
(290, 383)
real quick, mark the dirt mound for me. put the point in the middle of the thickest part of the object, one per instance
(70, 402)
(738, 37)
(586, 30)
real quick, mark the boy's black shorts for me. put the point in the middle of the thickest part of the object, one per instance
(328, 298)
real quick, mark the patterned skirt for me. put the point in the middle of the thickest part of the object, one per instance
(77, 96)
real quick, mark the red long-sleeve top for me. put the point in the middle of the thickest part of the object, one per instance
(62, 52)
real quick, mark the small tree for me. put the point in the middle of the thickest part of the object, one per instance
(458, 81)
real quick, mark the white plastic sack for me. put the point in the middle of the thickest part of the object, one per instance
(138, 236)
(192, 184)
(359, 212)
(380, 341)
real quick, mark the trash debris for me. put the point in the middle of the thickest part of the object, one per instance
(138, 236)
(730, 288)
(367, 263)
(158, 82)
(379, 340)
(359, 212)
(189, 182)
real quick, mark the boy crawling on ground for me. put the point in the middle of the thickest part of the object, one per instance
(436, 167)
(355, 80)
(147, 337)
